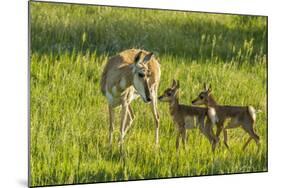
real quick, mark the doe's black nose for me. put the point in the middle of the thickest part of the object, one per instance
(148, 99)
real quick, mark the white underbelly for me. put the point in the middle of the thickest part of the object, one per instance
(112, 100)
(114, 97)
(190, 122)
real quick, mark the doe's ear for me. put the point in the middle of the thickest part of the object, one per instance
(147, 57)
(137, 57)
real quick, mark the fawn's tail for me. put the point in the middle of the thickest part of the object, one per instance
(252, 113)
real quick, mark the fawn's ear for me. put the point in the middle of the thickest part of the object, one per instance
(174, 84)
(176, 92)
(147, 57)
(209, 89)
(137, 57)
(178, 84)
(205, 86)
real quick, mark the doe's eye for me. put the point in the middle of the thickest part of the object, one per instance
(201, 97)
(141, 75)
(169, 93)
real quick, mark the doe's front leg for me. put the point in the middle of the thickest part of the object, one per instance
(111, 122)
(124, 114)
(156, 117)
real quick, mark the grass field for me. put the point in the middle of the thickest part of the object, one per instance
(70, 45)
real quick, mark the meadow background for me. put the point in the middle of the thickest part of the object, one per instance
(70, 45)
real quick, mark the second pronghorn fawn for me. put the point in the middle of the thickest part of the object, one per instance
(186, 116)
(240, 116)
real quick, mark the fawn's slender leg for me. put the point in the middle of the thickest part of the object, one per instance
(220, 126)
(219, 129)
(247, 142)
(183, 137)
(225, 138)
(178, 140)
(250, 130)
(231, 125)
(210, 134)
(203, 128)
(111, 122)
(155, 113)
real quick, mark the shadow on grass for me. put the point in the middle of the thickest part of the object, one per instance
(58, 29)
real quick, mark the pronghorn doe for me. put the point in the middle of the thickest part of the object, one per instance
(186, 117)
(127, 75)
(244, 116)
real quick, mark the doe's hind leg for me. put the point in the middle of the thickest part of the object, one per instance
(111, 122)
(130, 119)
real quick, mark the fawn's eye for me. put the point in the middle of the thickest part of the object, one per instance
(201, 97)
(169, 93)
(141, 75)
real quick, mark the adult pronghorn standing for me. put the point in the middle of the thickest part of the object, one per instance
(127, 75)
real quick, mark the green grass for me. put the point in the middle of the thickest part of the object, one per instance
(70, 45)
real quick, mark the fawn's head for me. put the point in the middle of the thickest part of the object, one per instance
(141, 75)
(203, 96)
(170, 94)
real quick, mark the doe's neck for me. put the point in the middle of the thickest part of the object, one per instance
(129, 76)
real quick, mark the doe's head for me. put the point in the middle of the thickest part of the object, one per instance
(203, 97)
(170, 94)
(142, 74)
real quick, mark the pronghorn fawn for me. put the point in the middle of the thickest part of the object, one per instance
(130, 74)
(240, 116)
(186, 117)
